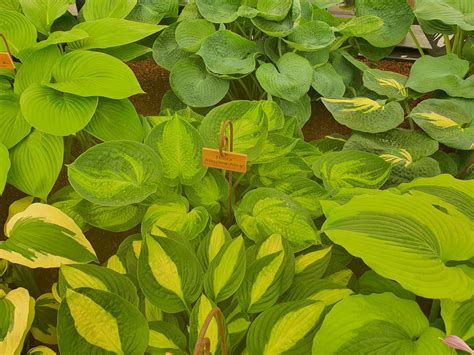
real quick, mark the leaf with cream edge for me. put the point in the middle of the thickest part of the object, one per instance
(13, 126)
(18, 30)
(43, 13)
(4, 167)
(99, 9)
(398, 242)
(93, 321)
(17, 311)
(116, 173)
(44, 237)
(364, 324)
(285, 328)
(44, 328)
(169, 274)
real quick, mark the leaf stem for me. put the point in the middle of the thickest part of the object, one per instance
(279, 46)
(338, 43)
(417, 43)
(246, 89)
(408, 111)
(447, 43)
(434, 311)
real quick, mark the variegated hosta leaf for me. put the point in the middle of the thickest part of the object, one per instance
(169, 273)
(4, 167)
(43, 328)
(291, 165)
(44, 237)
(265, 211)
(98, 278)
(191, 33)
(94, 321)
(66, 199)
(458, 318)
(116, 173)
(268, 275)
(327, 291)
(351, 168)
(179, 145)
(13, 126)
(364, 114)
(371, 282)
(173, 214)
(43, 13)
(449, 121)
(416, 245)
(18, 30)
(365, 324)
(212, 244)
(276, 147)
(285, 328)
(314, 263)
(403, 172)
(127, 256)
(17, 310)
(97, 9)
(166, 337)
(386, 83)
(307, 151)
(41, 350)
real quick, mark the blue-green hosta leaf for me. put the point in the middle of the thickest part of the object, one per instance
(285, 328)
(300, 109)
(449, 121)
(35, 164)
(116, 173)
(179, 145)
(290, 79)
(276, 147)
(360, 26)
(447, 162)
(386, 83)
(18, 30)
(169, 273)
(13, 126)
(212, 244)
(371, 282)
(96, 321)
(442, 73)
(291, 165)
(219, 11)
(18, 310)
(166, 51)
(458, 318)
(397, 241)
(311, 36)
(364, 325)
(226, 271)
(4, 167)
(327, 82)
(94, 74)
(99, 9)
(273, 10)
(190, 34)
(364, 114)
(151, 11)
(313, 263)
(42, 13)
(275, 28)
(44, 237)
(402, 173)
(448, 12)
(194, 86)
(115, 120)
(43, 328)
(397, 19)
(351, 168)
(265, 211)
(166, 337)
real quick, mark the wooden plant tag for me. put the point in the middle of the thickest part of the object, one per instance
(6, 61)
(212, 158)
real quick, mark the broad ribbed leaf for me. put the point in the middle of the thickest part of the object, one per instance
(99, 9)
(44, 237)
(166, 337)
(311, 36)
(291, 165)
(94, 321)
(128, 52)
(116, 173)
(58, 37)
(449, 12)
(4, 167)
(327, 82)
(360, 26)
(300, 109)
(190, 34)
(18, 30)
(43, 328)
(275, 10)
(386, 83)
(94, 74)
(42, 13)
(275, 28)
(166, 51)
(10, 5)
(13, 126)
(152, 11)
(415, 246)
(458, 318)
(276, 146)
(219, 11)
(371, 282)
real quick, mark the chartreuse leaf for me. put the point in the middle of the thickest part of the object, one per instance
(409, 244)
(364, 324)
(276, 147)
(10, 5)
(59, 37)
(371, 282)
(360, 26)
(327, 291)
(364, 114)
(169, 273)
(17, 311)
(166, 51)
(190, 34)
(41, 350)
(268, 275)
(127, 52)
(116, 173)
(449, 121)
(99, 9)
(311, 36)
(95, 321)
(42, 13)
(219, 11)
(291, 165)
(179, 145)
(166, 337)
(313, 263)
(18, 30)
(386, 83)
(66, 199)
(44, 237)
(94, 74)
(285, 328)
(458, 318)
(4, 167)
(35, 164)
(212, 244)
(226, 271)
(43, 328)
(13, 126)
(151, 11)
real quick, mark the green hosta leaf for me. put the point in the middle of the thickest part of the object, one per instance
(59, 37)
(43, 328)
(190, 34)
(226, 271)
(313, 263)
(95, 321)
(273, 10)
(212, 244)
(397, 19)
(173, 214)
(237, 324)
(308, 152)
(401, 173)
(364, 324)
(94, 74)
(166, 337)
(44, 237)
(449, 121)
(274, 28)
(327, 291)
(371, 282)
(42, 13)
(360, 26)
(179, 145)
(219, 11)
(127, 52)
(364, 114)
(115, 120)
(152, 11)
(55, 112)
(276, 147)
(300, 109)
(458, 318)
(194, 86)
(116, 173)
(409, 244)
(99, 9)
(4, 167)
(351, 168)
(13, 127)
(18, 310)
(66, 199)
(291, 165)
(446, 162)
(327, 82)
(285, 328)
(265, 211)
(457, 13)
(275, 115)
(112, 32)
(35, 164)
(311, 36)
(169, 274)
(290, 79)
(18, 30)
(386, 83)
(166, 51)
(442, 73)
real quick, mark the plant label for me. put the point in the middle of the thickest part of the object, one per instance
(6, 61)
(212, 158)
